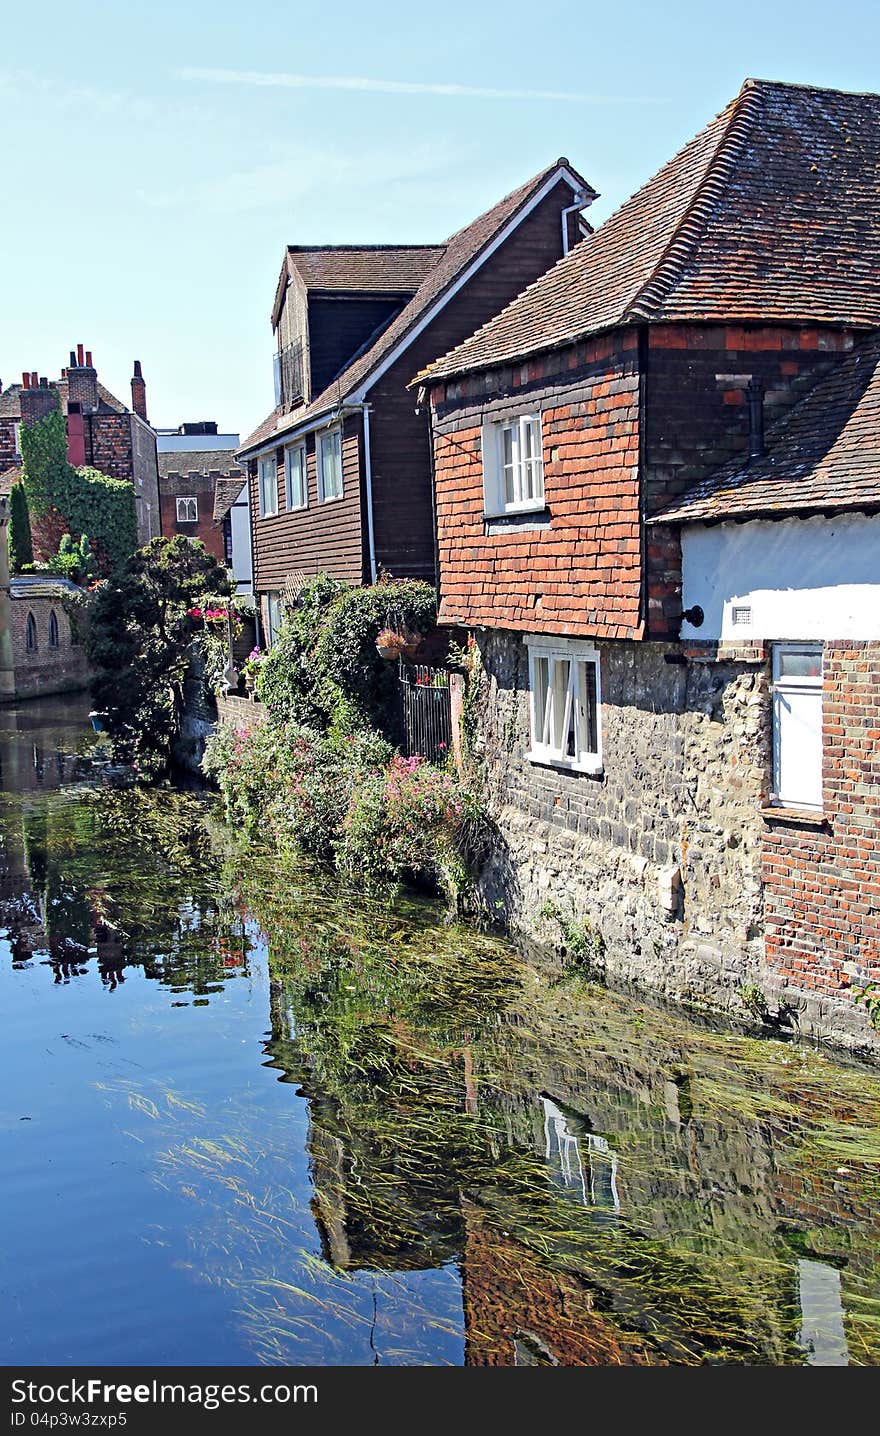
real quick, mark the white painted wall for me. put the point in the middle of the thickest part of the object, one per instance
(801, 578)
(174, 443)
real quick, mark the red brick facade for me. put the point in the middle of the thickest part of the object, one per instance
(822, 880)
(580, 572)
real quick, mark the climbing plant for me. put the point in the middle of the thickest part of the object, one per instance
(64, 499)
(21, 550)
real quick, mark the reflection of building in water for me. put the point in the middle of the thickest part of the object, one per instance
(822, 1333)
(579, 1160)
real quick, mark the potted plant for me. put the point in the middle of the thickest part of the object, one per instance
(393, 643)
(250, 670)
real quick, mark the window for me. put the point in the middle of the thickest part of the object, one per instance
(187, 511)
(296, 483)
(30, 634)
(797, 725)
(274, 616)
(53, 629)
(565, 699)
(267, 482)
(330, 465)
(16, 437)
(513, 465)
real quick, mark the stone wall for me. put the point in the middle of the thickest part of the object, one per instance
(656, 866)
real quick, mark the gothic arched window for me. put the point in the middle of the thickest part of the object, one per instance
(30, 634)
(53, 629)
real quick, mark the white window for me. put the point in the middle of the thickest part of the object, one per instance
(565, 704)
(274, 616)
(187, 511)
(513, 465)
(16, 437)
(330, 465)
(267, 484)
(296, 483)
(797, 725)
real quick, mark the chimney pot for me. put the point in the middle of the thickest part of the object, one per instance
(34, 379)
(72, 359)
(80, 359)
(137, 369)
(88, 358)
(25, 381)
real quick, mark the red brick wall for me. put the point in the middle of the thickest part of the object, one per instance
(822, 882)
(200, 487)
(108, 444)
(581, 574)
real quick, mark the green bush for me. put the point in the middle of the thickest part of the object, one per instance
(324, 669)
(382, 819)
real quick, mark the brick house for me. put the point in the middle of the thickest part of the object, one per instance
(203, 494)
(629, 737)
(101, 431)
(340, 471)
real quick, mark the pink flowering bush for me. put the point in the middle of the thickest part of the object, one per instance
(380, 818)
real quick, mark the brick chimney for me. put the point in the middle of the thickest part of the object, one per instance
(38, 398)
(139, 392)
(82, 381)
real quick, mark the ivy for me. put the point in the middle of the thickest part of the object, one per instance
(84, 500)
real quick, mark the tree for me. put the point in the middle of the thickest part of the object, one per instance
(21, 549)
(139, 641)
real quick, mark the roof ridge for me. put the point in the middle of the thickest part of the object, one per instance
(669, 268)
(360, 248)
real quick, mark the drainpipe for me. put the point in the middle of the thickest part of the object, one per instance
(7, 659)
(368, 468)
(581, 200)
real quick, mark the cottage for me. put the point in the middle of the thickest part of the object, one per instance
(652, 723)
(340, 471)
(101, 431)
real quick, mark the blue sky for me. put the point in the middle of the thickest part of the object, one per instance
(157, 158)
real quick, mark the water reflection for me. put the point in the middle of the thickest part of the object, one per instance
(384, 1140)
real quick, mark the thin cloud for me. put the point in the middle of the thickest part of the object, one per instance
(279, 80)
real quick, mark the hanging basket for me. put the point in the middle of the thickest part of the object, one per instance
(392, 644)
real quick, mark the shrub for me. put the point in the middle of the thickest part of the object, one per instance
(351, 800)
(324, 670)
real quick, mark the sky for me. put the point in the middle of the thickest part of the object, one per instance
(157, 158)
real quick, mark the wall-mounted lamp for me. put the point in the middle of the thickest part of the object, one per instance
(694, 616)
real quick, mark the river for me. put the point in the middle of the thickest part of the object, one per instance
(250, 1118)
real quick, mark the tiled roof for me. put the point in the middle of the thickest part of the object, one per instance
(822, 456)
(10, 477)
(375, 268)
(459, 251)
(206, 462)
(40, 585)
(10, 403)
(226, 491)
(772, 213)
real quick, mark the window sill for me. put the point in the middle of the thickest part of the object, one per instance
(565, 765)
(797, 817)
(330, 498)
(511, 517)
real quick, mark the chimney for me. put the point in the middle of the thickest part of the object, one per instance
(37, 398)
(82, 382)
(139, 392)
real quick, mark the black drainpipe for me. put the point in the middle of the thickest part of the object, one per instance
(755, 401)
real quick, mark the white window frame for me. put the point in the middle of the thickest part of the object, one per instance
(267, 485)
(525, 431)
(16, 437)
(795, 686)
(324, 435)
(550, 729)
(182, 501)
(274, 615)
(289, 452)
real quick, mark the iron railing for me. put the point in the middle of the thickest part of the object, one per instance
(427, 712)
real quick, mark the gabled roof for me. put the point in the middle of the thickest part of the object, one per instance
(822, 456)
(226, 491)
(10, 401)
(460, 251)
(771, 214)
(376, 268)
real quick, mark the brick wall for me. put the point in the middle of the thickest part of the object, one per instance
(108, 444)
(695, 421)
(201, 488)
(575, 571)
(46, 670)
(822, 879)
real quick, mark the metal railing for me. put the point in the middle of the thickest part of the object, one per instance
(427, 712)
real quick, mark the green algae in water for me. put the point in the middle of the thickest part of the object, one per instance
(542, 1171)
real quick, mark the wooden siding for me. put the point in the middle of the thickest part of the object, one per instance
(400, 441)
(339, 326)
(325, 537)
